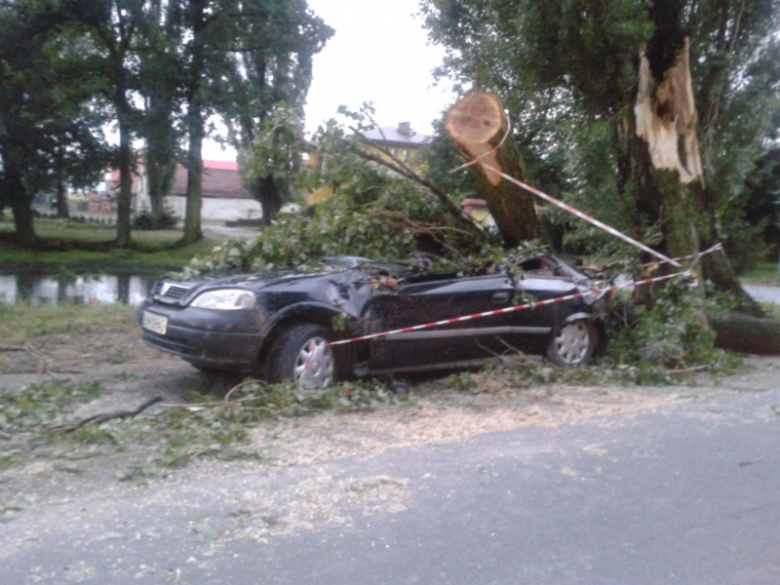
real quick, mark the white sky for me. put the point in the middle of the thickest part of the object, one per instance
(379, 53)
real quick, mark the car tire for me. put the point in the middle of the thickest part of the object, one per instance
(290, 357)
(573, 344)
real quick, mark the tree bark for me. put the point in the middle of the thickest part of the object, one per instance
(747, 334)
(192, 216)
(125, 166)
(125, 186)
(477, 126)
(161, 157)
(21, 205)
(665, 167)
(62, 195)
(270, 201)
(160, 175)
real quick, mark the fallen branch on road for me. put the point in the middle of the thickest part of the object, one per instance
(101, 418)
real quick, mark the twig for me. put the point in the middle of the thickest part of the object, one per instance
(510, 353)
(101, 418)
(746, 463)
(241, 385)
(687, 370)
(236, 403)
(419, 228)
(406, 172)
(12, 348)
(6, 436)
(518, 353)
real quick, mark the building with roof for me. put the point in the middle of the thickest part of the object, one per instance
(224, 197)
(402, 142)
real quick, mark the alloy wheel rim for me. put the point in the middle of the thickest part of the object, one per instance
(573, 342)
(314, 364)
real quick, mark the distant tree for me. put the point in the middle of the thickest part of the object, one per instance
(76, 157)
(272, 164)
(271, 64)
(47, 135)
(161, 82)
(111, 29)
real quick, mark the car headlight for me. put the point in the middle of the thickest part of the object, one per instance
(226, 299)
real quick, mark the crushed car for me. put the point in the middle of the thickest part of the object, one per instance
(279, 324)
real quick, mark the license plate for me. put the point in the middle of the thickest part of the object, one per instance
(154, 322)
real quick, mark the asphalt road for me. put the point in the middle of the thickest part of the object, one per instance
(763, 293)
(687, 495)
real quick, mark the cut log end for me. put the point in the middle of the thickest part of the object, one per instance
(475, 119)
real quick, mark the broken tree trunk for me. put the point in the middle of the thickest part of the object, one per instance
(478, 127)
(746, 334)
(666, 159)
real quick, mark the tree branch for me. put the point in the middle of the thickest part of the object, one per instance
(403, 170)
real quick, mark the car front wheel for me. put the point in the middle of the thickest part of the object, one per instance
(573, 344)
(300, 354)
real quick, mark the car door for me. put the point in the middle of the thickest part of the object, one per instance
(437, 297)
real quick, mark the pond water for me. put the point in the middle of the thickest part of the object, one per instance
(47, 289)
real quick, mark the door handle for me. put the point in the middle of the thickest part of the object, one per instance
(500, 297)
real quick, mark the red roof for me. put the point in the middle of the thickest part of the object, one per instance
(222, 165)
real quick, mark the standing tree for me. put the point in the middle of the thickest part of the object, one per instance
(271, 64)
(274, 160)
(649, 97)
(46, 118)
(161, 82)
(111, 28)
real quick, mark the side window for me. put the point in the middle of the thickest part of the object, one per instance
(394, 152)
(406, 155)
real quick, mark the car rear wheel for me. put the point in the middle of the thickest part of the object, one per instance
(300, 354)
(573, 344)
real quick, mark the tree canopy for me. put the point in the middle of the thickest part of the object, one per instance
(159, 70)
(568, 73)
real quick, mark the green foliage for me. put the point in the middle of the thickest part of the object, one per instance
(219, 429)
(374, 213)
(49, 136)
(271, 69)
(672, 334)
(38, 406)
(147, 221)
(566, 72)
(273, 161)
(21, 322)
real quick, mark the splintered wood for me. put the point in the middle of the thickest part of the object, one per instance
(666, 118)
(473, 123)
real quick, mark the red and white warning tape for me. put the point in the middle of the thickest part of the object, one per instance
(581, 215)
(695, 257)
(593, 292)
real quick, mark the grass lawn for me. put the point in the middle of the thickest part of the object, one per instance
(764, 273)
(87, 245)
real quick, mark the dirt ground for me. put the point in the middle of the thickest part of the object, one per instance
(433, 415)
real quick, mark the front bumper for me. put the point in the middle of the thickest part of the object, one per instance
(207, 338)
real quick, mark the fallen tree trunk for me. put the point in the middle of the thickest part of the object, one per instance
(747, 334)
(477, 126)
